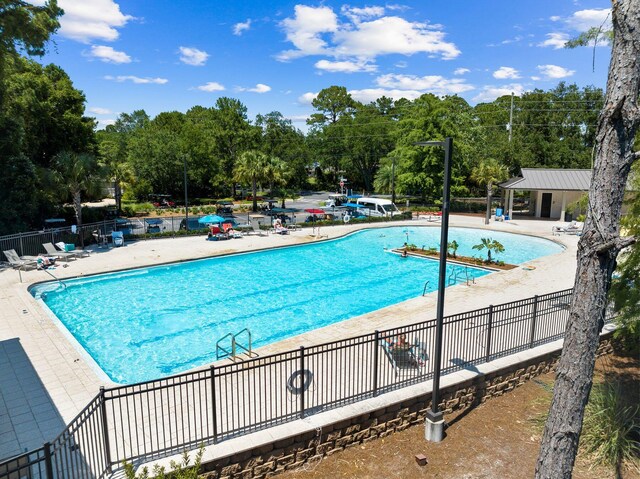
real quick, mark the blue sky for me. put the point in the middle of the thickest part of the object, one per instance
(165, 55)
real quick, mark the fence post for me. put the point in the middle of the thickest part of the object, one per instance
(375, 363)
(532, 335)
(302, 393)
(489, 331)
(48, 466)
(214, 417)
(21, 247)
(105, 429)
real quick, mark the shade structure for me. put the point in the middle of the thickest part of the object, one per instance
(153, 221)
(210, 219)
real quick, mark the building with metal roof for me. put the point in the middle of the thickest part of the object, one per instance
(551, 189)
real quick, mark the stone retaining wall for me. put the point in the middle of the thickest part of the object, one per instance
(294, 452)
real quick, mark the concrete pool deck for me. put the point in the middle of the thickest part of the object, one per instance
(45, 380)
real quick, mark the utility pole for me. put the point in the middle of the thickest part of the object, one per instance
(186, 197)
(511, 118)
(393, 179)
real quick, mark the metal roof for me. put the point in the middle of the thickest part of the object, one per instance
(550, 179)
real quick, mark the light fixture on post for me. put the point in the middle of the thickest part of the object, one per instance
(186, 197)
(434, 426)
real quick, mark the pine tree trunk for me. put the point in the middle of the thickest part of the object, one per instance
(598, 247)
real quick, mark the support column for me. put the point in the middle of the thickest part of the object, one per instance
(538, 204)
(564, 204)
(511, 193)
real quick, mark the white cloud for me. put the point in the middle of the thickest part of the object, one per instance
(554, 71)
(358, 14)
(401, 64)
(108, 54)
(96, 110)
(504, 73)
(298, 118)
(345, 66)
(461, 71)
(307, 98)
(554, 18)
(135, 79)
(240, 27)
(583, 20)
(490, 92)
(555, 40)
(305, 28)
(193, 56)
(88, 20)
(392, 35)
(211, 86)
(435, 84)
(318, 31)
(259, 88)
(369, 95)
(105, 122)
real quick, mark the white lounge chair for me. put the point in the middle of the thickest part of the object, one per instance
(570, 229)
(78, 252)
(256, 228)
(52, 251)
(24, 263)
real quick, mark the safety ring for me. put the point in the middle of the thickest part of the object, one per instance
(529, 267)
(346, 218)
(307, 379)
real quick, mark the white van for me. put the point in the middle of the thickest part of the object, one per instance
(377, 207)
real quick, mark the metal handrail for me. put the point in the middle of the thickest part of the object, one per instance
(235, 343)
(424, 290)
(55, 278)
(219, 348)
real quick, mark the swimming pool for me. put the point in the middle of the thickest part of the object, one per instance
(152, 322)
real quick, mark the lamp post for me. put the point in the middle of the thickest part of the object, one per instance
(186, 199)
(434, 427)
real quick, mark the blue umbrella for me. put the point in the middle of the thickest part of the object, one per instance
(211, 219)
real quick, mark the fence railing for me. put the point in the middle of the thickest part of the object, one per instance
(166, 415)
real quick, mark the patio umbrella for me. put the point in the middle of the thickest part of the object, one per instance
(211, 219)
(315, 211)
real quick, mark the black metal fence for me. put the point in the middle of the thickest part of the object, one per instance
(151, 418)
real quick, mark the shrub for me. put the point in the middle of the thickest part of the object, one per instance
(611, 427)
(179, 470)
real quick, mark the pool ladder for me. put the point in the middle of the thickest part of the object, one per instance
(222, 352)
(457, 274)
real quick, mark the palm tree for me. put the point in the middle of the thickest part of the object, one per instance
(491, 245)
(453, 246)
(486, 174)
(252, 166)
(120, 172)
(76, 174)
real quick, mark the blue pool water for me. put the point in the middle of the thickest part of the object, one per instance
(148, 323)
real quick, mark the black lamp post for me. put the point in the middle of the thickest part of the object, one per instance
(186, 199)
(435, 423)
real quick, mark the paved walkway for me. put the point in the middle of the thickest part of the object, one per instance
(45, 380)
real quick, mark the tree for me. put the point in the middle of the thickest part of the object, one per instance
(487, 173)
(252, 166)
(598, 247)
(490, 245)
(77, 174)
(332, 103)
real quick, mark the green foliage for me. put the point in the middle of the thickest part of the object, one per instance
(490, 245)
(611, 427)
(453, 247)
(625, 287)
(179, 470)
(27, 27)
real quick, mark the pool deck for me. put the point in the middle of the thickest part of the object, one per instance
(45, 380)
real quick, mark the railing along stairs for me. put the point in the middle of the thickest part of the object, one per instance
(222, 352)
(458, 273)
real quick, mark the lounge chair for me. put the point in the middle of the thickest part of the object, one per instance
(80, 253)
(117, 238)
(404, 357)
(499, 215)
(62, 255)
(569, 229)
(256, 228)
(230, 232)
(24, 263)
